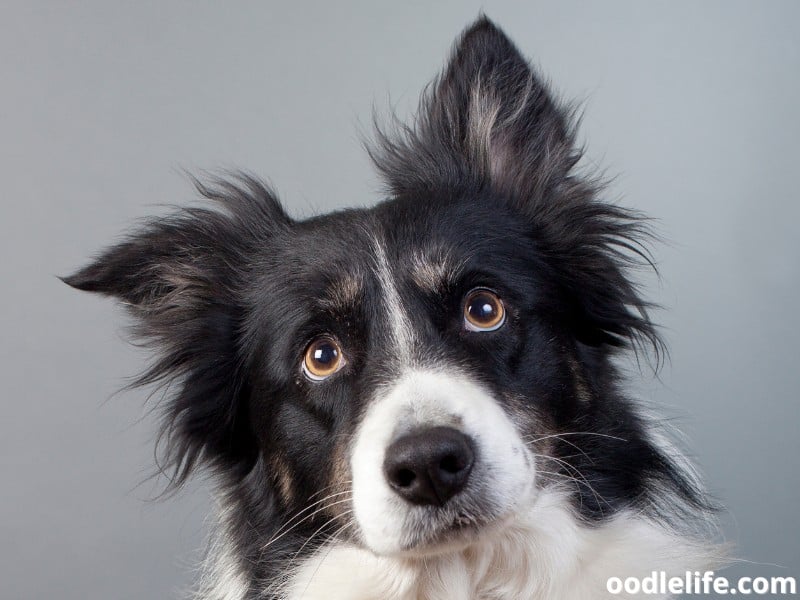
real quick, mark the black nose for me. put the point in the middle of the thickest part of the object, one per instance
(429, 466)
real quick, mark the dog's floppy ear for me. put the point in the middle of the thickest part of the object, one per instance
(487, 118)
(181, 277)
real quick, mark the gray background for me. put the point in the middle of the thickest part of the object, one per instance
(693, 105)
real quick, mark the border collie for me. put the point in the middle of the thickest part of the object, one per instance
(423, 399)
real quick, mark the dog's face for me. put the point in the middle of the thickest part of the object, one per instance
(411, 366)
(408, 376)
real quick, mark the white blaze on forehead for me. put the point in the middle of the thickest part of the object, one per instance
(398, 319)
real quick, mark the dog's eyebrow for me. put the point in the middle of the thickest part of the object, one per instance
(433, 271)
(343, 292)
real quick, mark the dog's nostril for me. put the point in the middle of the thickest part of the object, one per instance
(451, 464)
(429, 466)
(405, 477)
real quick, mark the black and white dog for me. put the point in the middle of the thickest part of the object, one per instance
(418, 400)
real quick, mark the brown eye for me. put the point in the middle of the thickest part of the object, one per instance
(483, 311)
(322, 359)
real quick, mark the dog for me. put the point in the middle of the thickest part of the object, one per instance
(423, 399)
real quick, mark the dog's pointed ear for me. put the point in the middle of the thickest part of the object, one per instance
(489, 118)
(489, 122)
(181, 277)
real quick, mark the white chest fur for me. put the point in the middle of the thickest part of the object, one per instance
(546, 554)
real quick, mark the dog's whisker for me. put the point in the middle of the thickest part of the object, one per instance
(307, 508)
(285, 531)
(338, 484)
(558, 436)
(579, 482)
(333, 536)
(314, 535)
(581, 433)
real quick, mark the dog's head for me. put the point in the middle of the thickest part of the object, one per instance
(409, 375)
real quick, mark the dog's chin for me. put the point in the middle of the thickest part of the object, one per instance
(451, 534)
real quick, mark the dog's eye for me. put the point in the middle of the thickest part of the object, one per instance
(483, 311)
(322, 359)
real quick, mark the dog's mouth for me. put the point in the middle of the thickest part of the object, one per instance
(452, 532)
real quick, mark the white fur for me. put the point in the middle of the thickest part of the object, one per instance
(502, 476)
(399, 323)
(222, 577)
(544, 554)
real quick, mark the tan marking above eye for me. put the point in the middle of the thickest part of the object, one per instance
(483, 311)
(323, 358)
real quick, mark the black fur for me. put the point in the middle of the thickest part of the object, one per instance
(230, 295)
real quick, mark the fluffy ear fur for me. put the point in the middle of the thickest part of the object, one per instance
(488, 118)
(180, 278)
(488, 123)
